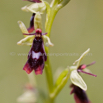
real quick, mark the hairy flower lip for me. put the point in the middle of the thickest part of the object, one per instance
(36, 61)
(80, 95)
(38, 71)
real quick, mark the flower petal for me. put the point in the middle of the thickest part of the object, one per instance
(87, 73)
(31, 28)
(77, 80)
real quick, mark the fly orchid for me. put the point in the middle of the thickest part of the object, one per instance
(37, 55)
(76, 79)
(28, 39)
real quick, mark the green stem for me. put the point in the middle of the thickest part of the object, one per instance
(50, 18)
(53, 92)
(49, 76)
(48, 69)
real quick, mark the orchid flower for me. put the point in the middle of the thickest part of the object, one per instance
(76, 79)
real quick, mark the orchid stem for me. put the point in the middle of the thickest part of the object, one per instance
(51, 13)
(48, 69)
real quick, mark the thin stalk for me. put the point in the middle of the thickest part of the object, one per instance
(48, 72)
(50, 18)
(48, 69)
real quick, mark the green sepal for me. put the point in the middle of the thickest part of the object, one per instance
(23, 28)
(81, 57)
(47, 41)
(38, 21)
(35, 8)
(77, 80)
(26, 41)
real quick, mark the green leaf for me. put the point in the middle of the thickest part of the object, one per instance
(60, 83)
(77, 80)
(61, 77)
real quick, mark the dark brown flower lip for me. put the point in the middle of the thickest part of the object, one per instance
(36, 61)
(80, 95)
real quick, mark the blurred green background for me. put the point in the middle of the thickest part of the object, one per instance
(77, 26)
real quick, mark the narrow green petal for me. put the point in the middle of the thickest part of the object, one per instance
(77, 80)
